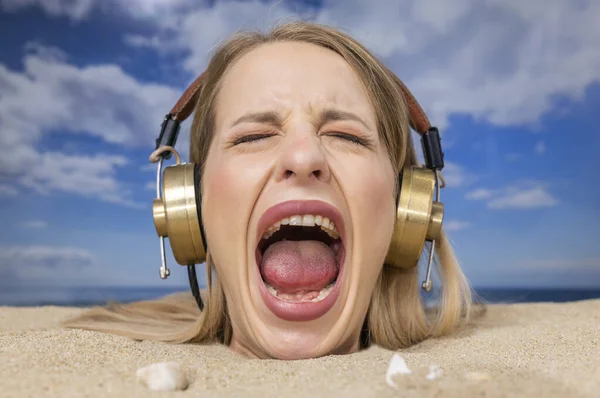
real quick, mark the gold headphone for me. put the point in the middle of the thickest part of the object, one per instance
(177, 213)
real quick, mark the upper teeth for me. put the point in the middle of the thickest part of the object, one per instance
(307, 220)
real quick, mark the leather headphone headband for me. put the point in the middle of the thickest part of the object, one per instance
(185, 105)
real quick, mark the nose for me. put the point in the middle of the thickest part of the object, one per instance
(302, 158)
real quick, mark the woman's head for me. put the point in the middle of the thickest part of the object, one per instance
(304, 121)
(299, 122)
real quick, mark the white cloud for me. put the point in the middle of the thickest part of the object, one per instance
(456, 225)
(201, 30)
(528, 195)
(453, 175)
(480, 193)
(90, 176)
(504, 65)
(45, 52)
(7, 190)
(74, 9)
(528, 198)
(47, 256)
(34, 224)
(143, 41)
(101, 100)
(540, 147)
(148, 167)
(79, 10)
(45, 264)
(504, 62)
(152, 8)
(456, 176)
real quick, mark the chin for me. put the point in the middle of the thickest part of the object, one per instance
(298, 345)
(299, 302)
(295, 344)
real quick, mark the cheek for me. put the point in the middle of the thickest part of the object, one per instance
(229, 191)
(373, 211)
(223, 216)
(379, 205)
(220, 195)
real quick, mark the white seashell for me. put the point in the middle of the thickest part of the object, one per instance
(434, 372)
(397, 366)
(162, 376)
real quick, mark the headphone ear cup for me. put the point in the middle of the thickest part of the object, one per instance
(177, 214)
(418, 217)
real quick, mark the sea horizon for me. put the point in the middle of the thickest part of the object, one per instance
(84, 296)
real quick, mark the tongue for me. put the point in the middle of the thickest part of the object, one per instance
(299, 266)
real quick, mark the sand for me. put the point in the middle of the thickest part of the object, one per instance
(516, 350)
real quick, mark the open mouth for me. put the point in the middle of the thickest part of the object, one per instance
(300, 256)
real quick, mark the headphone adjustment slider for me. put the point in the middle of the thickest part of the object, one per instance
(432, 149)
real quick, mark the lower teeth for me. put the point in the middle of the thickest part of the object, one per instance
(322, 294)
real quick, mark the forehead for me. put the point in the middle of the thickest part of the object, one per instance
(289, 76)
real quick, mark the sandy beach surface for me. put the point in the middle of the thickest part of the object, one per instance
(515, 350)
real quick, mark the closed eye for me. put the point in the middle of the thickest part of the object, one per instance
(250, 138)
(349, 137)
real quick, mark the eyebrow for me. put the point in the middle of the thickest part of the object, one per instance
(260, 117)
(337, 115)
(327, 115)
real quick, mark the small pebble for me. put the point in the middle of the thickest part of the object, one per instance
(434, 372)
(397, 366)
(162, 376)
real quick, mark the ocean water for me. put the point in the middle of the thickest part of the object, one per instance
(88, 296)
(80, 296)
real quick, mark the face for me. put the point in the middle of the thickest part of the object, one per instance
(298, 202)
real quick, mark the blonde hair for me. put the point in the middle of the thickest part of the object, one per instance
(397, 316)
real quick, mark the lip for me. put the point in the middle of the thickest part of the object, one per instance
(301, 311)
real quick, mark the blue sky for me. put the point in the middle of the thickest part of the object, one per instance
(84, 85)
